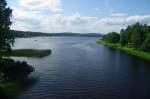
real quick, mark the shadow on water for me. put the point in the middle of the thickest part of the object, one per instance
(18, 88)
(137, 76)
(139, 88)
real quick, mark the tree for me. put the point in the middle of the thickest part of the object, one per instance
(134, 35)
(137, 36)
(112, 37)
(123, 40)
(146, 44)
(6, 38)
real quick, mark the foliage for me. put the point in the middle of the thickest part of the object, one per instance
(135, 36)
(125, 36)
(5, 21)
(146, 44)
(112, 37)
(24, 34)
(11, 70)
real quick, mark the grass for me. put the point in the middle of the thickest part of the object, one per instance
(27, 53)
(131, 51)
(11, 89)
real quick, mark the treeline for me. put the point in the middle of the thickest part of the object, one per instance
(136, 36)
(34, 34)
(21, 34)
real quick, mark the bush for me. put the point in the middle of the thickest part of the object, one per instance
(11, 70)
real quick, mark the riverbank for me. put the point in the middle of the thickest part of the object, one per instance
(27, 53)
(131, 51)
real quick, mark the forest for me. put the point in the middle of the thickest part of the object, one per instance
(24, 34)
(135, 36)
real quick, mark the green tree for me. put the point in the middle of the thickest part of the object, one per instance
(134, 35)
(137, 36)
(146, 30)
(112, 37)
(6, 38)
(123, 37)
(146, 44)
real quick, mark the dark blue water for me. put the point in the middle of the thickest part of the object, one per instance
(78, 68)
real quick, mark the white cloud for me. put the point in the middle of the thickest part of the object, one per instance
(52, 5)
(126, 20)
(31, 16)
(70, 23)
(33, 21)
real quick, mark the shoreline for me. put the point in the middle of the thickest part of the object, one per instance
(130, 51)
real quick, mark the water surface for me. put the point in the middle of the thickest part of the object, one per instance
(78, 68)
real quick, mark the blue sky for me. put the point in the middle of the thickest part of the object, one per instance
(107, 7)
(101, 16)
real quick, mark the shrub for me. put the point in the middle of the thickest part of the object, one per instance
(11, 70)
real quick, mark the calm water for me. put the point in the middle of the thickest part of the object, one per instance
(78, 68)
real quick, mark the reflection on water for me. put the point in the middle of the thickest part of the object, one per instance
(78, 68)
(20, 86)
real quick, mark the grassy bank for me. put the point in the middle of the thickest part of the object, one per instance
(131, 51)
(11, 89)
(27, 53)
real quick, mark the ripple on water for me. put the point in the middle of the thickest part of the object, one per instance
(80, 69)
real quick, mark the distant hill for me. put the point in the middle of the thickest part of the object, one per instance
(34, 34)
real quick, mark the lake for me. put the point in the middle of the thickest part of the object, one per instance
(78, 68)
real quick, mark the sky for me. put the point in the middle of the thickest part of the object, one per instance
(80, 16)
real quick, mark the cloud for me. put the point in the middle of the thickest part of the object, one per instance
(137, 18)
(34, 15)
(126, 20)
(67, 23)
(52, 5)
(73, 23)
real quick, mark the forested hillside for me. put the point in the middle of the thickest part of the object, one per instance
(34, 34)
